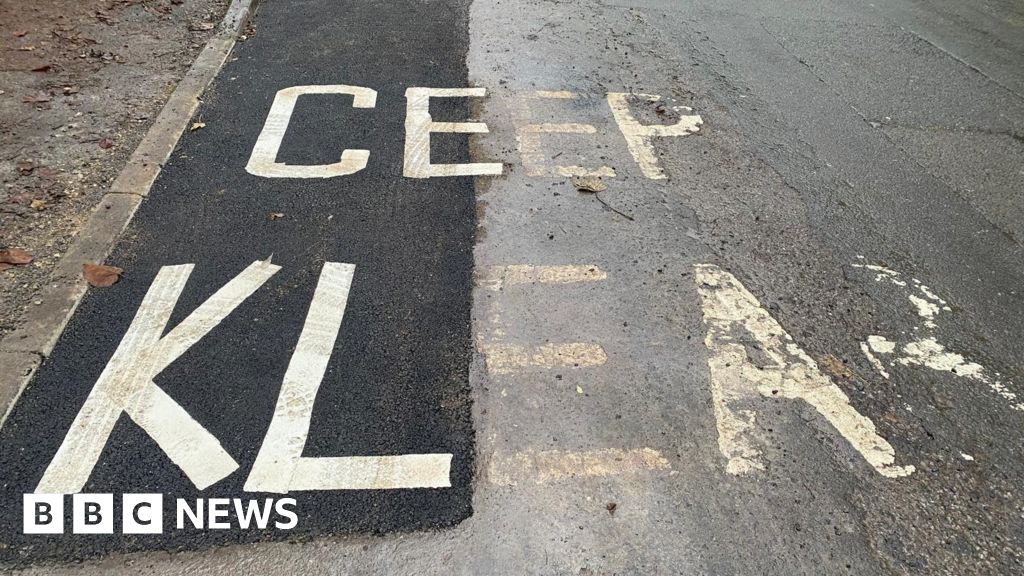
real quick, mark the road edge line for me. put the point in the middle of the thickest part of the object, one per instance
(23, 350)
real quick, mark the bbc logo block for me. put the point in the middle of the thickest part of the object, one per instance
(93, 513)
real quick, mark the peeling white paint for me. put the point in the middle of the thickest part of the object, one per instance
(883, 273)
(875, 362)
(539, 467)
(497, 277)
(881, 344)
(534, 158)
(640, 138)
(925, 350)
(506, 358)
(735, 320)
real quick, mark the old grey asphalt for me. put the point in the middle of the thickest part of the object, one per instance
(858, 169)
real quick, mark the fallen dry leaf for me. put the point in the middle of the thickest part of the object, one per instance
(100, 275)
(42, 68)
(836, 367)
(37, 204)
(197, 126)
(26, 166)
(611, 507)
(203, 26)
(15, 257)
(276, 215)
(26, 48)
(35, 98)
(106, 143)
(69, 90)
(589, 184)
(20, 33)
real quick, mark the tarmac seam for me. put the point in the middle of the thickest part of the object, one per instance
(28, 345)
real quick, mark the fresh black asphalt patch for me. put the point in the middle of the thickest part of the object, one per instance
(397, 381)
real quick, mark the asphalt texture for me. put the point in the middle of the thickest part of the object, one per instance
(836, 135)
(397, 379)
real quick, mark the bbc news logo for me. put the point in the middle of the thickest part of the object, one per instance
(144, 514)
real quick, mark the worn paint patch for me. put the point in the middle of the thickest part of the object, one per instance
(925, 350)
(640, 138)
(531, 150)
(539, 467)
(497, 277)
(735, 320)
(506, 358)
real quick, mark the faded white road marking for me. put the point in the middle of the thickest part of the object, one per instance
(875, 362)
(263, 161)
(538, 467)
(506, 358)
(497, 277)
(639, 138)
(126, 385)
(534, 158)
(280, 466)
(419, 125)
(925, 350)
(734, 318)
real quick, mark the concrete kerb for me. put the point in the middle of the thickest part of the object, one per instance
(23, 350)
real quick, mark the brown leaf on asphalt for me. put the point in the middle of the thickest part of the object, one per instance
(15, 257)
(100, 275)
(589, 184)
(20, 33)
(38, 204)
(26, 166)
(69, 90)
(276, 215)
(610, 507)
(35, 98)
(106, 143)
(197, 126)
(42, 68)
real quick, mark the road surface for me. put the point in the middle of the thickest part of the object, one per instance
(563, 287)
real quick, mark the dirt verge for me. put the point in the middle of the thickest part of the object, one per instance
(80, 82)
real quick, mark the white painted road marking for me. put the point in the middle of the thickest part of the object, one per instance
(538, 467)
(497, 277)
(126, 385)
(263, 161)
(507, 358)
(532, 153)
(280, 466)
(639, 138)
(733, 316)
(419, 125)
(925, 349)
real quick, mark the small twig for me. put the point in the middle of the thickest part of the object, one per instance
(610, 207)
